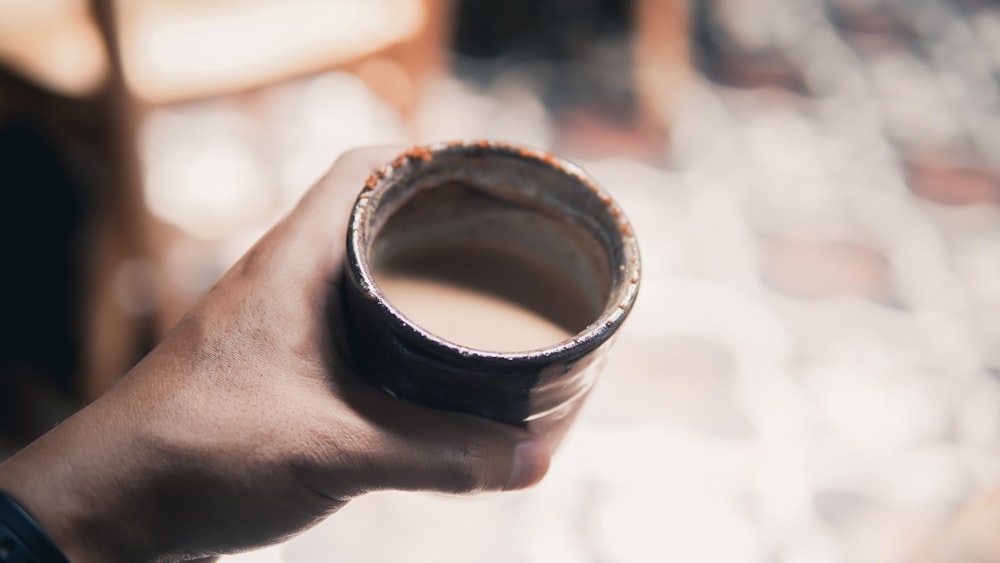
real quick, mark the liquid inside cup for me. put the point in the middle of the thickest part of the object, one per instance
(488, 273)
(483, 296)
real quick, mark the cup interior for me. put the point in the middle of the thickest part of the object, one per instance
(517, 228)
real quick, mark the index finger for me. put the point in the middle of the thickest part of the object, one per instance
(326, 207)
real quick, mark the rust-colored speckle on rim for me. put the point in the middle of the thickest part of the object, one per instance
(543, 156)
(525, 152)
(376, 177)
(413, 154)
(423, 153)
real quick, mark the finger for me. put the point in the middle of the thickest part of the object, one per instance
(325, 209)
(417, 448)
(307, 246)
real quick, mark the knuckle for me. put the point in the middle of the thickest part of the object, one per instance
(469, 470)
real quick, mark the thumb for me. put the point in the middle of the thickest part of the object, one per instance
(456, 453)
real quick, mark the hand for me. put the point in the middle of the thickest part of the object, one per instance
(245, 425)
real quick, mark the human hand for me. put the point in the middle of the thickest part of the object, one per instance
(245, 425)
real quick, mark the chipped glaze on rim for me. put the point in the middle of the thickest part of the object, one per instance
(619, 302)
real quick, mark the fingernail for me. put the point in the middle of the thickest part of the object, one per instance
(531, 462)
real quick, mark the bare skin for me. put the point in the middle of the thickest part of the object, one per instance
(245, 425)
(971, 537)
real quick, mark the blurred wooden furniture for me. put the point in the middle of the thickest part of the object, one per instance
(663, 68)
(174, 50)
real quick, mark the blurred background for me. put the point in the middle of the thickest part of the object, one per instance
(811, 373)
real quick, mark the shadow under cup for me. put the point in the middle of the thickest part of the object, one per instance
(520, 226)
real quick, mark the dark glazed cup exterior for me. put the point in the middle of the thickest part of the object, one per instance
(540, 389)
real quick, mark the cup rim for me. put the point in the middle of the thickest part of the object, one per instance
(595, 334)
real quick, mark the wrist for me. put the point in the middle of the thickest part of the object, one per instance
(22, 539)
(71, 482)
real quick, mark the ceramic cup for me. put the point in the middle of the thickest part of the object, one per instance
(527, 201)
